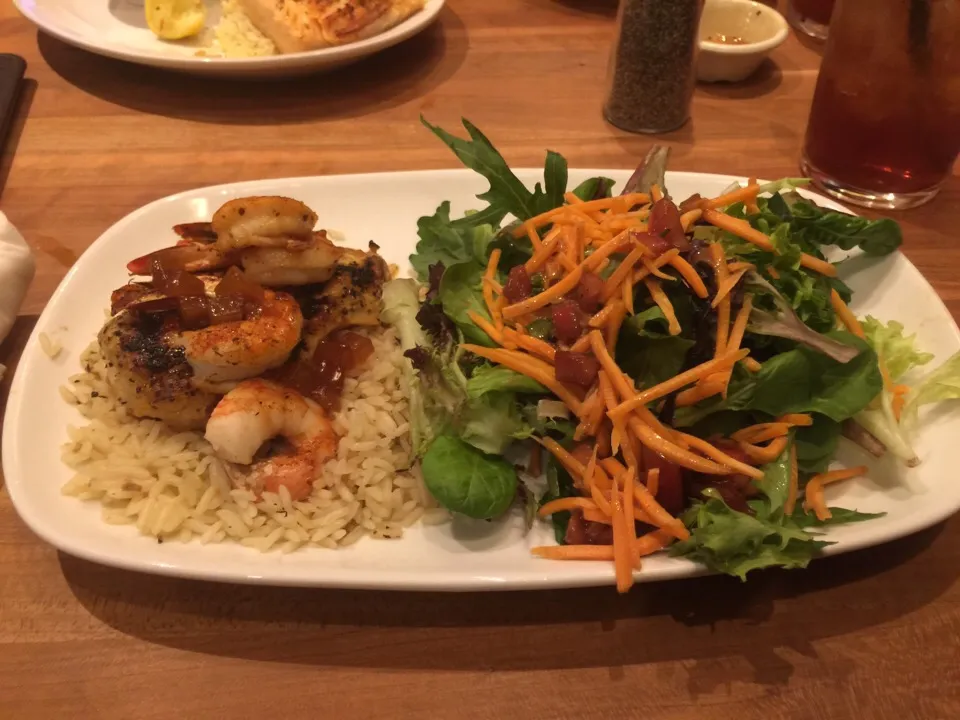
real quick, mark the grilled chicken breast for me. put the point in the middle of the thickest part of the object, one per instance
(351, 297)
(151, 374)
(301, 25)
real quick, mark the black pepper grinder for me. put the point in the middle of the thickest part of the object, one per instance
(653, 65)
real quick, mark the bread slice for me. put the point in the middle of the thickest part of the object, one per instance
(301, 25)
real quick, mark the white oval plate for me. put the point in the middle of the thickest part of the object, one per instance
(464, 555)
(117, 29)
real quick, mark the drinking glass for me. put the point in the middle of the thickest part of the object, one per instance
(810, 16)
(884, 129)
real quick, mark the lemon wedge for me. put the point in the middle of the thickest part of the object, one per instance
(175, 19)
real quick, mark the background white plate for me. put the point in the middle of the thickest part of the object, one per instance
(466, 555)
(117, 29)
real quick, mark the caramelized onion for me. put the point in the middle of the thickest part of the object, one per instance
(194, 312)
(236, 283)
(225, 308)
(175, 282)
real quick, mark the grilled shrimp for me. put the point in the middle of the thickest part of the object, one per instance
(258, 411)
(269, 221)
(223, 354)
(314, 264)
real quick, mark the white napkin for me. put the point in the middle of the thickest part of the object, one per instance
(16, 271)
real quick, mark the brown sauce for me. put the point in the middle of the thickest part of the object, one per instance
(321, 377)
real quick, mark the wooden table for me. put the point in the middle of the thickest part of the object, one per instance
(867, 635)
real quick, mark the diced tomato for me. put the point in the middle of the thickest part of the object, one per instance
(670, 485)
(589, 292)
(664, 221)
(576, 368)
(518, 286)
(657, 244)
(567, 323)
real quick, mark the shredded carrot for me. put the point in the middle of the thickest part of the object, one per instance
(600, 499)
(677, 381)
(761, 432)
(657, 262)
(656, 194)
(646, 545)
(613, 466)
(772, 272)
(627, 480)
(689, 275)
(531, 344)
(763, 455)
(599, 516)
(900, 393)
(485, 325)
(743, 194)
(544, 218)
(626, 288)
(612, 331)
(814, 489)
(535, 241)
(743, 229)
(653, 480)
(532, 368)
(728, 285)
(723, 310)
(599, 482)
(564, 504)
(689, 218)
(544, 252)
(489, 276)
(620, 243)
(646, 429)
(622, 552)
(663, 302)
(847, 317)
(740, 324)
(701, 391)
(554, 292)
(581, 345)
(797, 419)
(600, 319)
(572, 198)
(591, 470)
(794, 485)
(612, 285)
(535, 464)
(656, 271)
(751, 364)
(574, 552)
(722, 458)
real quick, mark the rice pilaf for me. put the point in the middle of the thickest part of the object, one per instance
(170, 485)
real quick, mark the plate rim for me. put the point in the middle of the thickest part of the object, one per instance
(323, 57)
(15, 470)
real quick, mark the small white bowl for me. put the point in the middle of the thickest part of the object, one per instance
(759, 28)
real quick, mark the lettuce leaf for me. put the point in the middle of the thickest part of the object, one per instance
(898, 352)
(732, 542)
(506, 193)
(452, 242)
(939, 385)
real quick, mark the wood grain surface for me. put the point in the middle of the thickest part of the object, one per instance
(867, 635)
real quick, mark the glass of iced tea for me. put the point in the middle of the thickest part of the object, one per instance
(884, 129)
(810, 16)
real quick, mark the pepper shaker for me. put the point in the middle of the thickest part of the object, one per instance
(653, 65)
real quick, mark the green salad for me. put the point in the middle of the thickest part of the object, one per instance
(537, 318)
